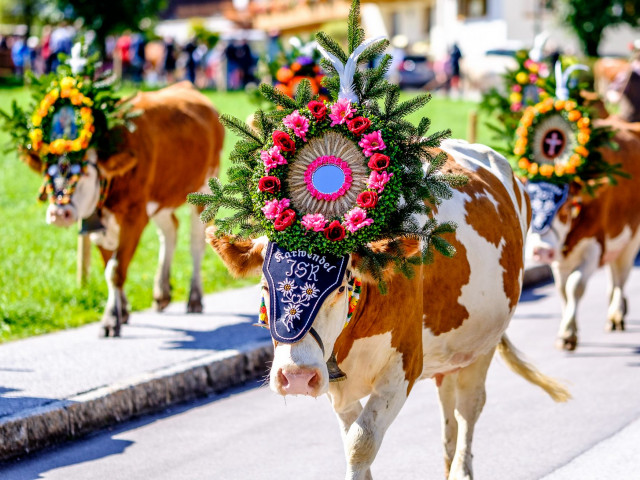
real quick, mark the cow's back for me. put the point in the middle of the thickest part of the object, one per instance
(469, 299)
(176, 145)
(612, 216)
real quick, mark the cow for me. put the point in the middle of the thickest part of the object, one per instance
(174, 148)
(443, 323)
(590, 231)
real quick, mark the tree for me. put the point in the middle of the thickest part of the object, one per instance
(589, 18)
(23, 11)
(112, 16)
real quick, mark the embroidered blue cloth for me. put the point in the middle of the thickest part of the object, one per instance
(546, 200)
(298, 283)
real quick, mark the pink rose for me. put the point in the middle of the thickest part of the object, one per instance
(314, 221)
(377, 180)
(356, 218)
(273, 208)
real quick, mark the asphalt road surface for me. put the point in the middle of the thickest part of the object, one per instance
(252, 433)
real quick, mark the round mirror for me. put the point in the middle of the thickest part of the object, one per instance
(328, 179)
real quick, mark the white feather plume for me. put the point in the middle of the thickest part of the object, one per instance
(347, 71)
(562, 78)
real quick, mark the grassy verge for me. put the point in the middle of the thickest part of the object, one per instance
(38, 290)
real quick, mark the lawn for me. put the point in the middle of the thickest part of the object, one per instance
(38, 290)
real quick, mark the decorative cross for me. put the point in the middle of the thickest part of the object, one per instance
(553, 142)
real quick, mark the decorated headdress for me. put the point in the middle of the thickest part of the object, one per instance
(329, 178)
(71, 111)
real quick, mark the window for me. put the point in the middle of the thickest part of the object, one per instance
(472, 8)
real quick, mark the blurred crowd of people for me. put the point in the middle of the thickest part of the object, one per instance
(227, 64)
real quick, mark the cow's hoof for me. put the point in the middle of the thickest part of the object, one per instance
(159, 304)
(194, 306)
(615, 322)
(109, 331)
(568, 344)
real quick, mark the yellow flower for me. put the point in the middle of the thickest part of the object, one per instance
(67, 83)
(76, 145)
(44, 150)
(575, 160)
(574, 115)
(533, 168)
(533, 67)
(582, 151)
(559, 169)
(570, 105)
(65, 93)
(522, 132)
(559, 104)
(583, 138)
(522, 78)
(36, 120)
(54, 94)
(584, 122)
(35, 135)
(546, 170)
(515, 97)
(87, 101)
(524, 163)
(519, 150)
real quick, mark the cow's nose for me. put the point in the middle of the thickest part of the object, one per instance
(543, 254)
(299, 382)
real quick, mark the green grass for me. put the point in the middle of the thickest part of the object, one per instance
(38, 290)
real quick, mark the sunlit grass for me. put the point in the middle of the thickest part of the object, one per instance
(38, 290)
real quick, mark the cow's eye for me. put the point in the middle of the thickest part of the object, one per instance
(341, 289)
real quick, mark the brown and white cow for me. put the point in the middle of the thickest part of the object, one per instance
(588, 232)
(175, 147)
(445, 323)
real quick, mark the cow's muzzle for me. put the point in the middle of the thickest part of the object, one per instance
(294, 380)
(61, 215)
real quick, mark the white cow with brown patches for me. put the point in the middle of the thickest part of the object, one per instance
(445, 323)
(590, 231)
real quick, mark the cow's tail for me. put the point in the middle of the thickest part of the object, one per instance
(512, 357)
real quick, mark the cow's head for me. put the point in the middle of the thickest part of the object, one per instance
(554, 208)
(74, 189)
(311, 296)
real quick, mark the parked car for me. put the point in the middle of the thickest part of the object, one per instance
(415, 72)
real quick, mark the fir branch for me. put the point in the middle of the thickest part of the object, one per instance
(373, 51)
(355, 33)
(408, 107)
(331, 46)
(391, 100)
(304, 93)
(276, 96)
(239, 127)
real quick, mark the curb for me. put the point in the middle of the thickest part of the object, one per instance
(73, 417)
(81, 414)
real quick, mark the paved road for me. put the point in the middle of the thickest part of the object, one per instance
(254, 434)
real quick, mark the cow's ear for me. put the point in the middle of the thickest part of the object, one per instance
(33, 161)
(406, 248)
(117, 164)
(594, 102)
(243, 258)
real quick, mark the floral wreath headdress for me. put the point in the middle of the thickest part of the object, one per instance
(556, 142)
(332, 177)
(71, 111)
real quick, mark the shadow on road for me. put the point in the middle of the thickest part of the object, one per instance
(100, 444)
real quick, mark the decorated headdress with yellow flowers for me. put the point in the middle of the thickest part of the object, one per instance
(330, 177)
(70, 112)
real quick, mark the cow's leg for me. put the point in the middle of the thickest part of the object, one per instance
(363, 438)
(167, 224)
(619, 273)
(197, 252)
(574, 288)
(447, 394)
(470, 398)
(116, 273)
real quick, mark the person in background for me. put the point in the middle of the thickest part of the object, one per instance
(625, 89)
(20, 56)
(169, 62)
(190, 49)
(454, 67)
(61, 41)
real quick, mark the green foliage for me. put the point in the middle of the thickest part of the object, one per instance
(589, 18)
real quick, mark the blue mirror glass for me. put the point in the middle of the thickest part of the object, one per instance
(328, 179)
(63, 124)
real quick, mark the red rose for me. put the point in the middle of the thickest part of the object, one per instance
(317, 109)
(358, 125)
(285, 219)
(269, 184)
(334, 232)
(283, 140)
(378, 162)
(367, 199)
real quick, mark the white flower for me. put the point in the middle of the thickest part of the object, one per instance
(291, 312)
(286, 286)
(309, 291)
